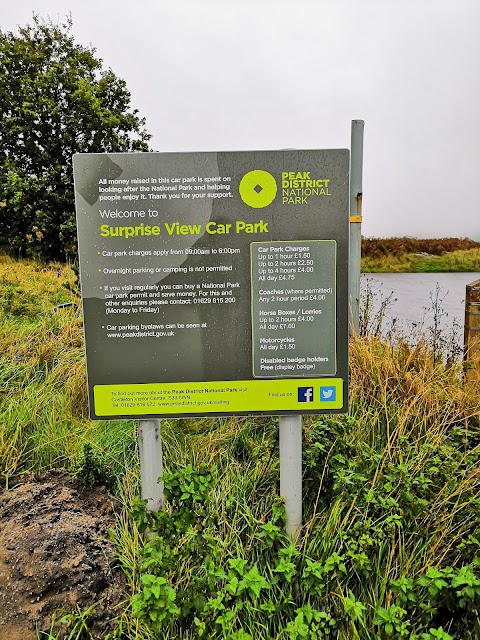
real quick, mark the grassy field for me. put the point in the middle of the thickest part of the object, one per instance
(391, 536)
(413, 255)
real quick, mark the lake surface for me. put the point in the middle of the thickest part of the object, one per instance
(411, 298)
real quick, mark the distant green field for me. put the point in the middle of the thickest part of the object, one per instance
(417, 255)
(455, 261)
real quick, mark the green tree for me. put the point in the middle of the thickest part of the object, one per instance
(55, 100)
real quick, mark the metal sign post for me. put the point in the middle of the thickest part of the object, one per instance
(356, 174)
(291, 473)
(151, 463)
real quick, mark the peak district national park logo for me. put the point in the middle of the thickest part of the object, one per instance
(258, 189)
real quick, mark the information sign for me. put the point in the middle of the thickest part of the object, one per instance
(293, 320)
(214, 283)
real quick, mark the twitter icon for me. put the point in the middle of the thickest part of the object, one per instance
(328, 394)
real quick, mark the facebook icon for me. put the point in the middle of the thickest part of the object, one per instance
(305, 394)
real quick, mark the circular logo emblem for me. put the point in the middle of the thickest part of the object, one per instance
(258, 189)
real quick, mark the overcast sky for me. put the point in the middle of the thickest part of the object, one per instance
(238, 75)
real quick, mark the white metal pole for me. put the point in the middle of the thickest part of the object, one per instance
(291, 472)
(356, 175)
(151, 463)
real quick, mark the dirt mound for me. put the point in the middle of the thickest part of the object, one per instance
(54, 554)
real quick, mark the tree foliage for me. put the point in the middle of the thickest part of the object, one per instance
(55, 100)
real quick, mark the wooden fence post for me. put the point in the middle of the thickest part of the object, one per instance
(472, 333)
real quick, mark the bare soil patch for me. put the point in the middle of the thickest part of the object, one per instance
(55, 555)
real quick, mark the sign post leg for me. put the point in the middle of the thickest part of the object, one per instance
(151, 463)
(356, 175)
(291, 472)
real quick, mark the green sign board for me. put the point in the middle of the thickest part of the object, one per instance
(214, 283)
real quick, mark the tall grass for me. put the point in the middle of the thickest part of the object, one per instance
(390, 490)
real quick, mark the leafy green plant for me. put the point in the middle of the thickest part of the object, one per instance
(392, 621)
(91, 467)
(467, 587)
(310, 625)
(155, 602)
(436, 634)
(354, 608)
(313, 578)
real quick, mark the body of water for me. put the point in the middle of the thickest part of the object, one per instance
(412, 298)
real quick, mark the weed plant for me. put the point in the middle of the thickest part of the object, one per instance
(391, 535)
